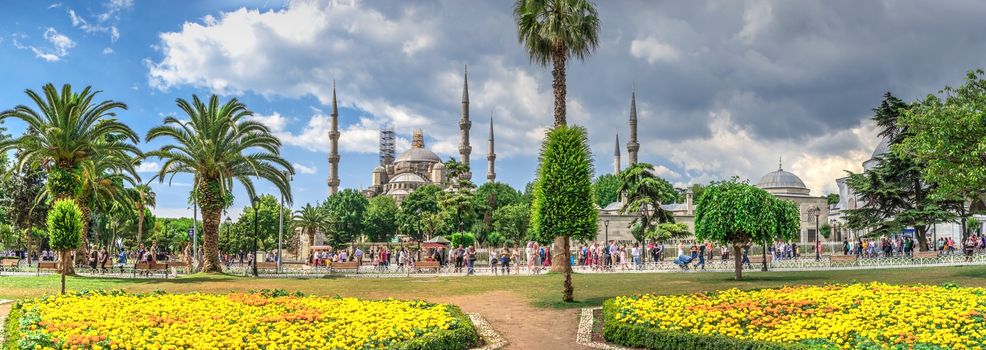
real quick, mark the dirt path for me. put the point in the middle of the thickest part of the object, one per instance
(524, 326)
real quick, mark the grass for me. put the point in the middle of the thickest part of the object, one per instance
(541, 291)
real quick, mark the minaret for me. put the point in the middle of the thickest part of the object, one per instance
(491, 156)
(633, 146)
(334, 141)
(616, 156)
(465, 125)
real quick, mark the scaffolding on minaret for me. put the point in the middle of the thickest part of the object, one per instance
(388, 149)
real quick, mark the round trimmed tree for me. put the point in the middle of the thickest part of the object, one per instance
(65, 229)
(562, 205)
(735, 213)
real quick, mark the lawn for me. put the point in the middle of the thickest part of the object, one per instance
(542, 291)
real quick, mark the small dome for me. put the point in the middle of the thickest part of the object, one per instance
(438, 166)
(418, 155)
(408, 178)
(881, 148)
(379, 169)
(781, 179)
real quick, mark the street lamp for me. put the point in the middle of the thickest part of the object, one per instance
(256, 226)
(606, 225)
(228, 223)
(280, 224)
(816, 211)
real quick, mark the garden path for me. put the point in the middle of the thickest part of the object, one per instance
(524, 326)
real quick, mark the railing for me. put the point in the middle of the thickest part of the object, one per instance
(827, 262)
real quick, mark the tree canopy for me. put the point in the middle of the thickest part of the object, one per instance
(606, 189)
(736, 213)
(380, 220)
(416, 210)
(345, 210)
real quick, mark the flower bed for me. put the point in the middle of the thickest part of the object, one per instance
(857, 316)
(208, 321)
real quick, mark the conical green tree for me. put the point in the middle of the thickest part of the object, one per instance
(217, 145)
(562, 206)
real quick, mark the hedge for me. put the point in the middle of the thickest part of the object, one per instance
(657, 339)
(464, 336)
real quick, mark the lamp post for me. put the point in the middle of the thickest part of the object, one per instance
(256, 226)
(606, 225)
(816, 211)
(280, 224)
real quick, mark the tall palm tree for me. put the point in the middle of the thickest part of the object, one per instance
(310, 219)
(67, 129)
(217, 145)
(143, 196)
(645, 192)
(103, 181)
(554, 31)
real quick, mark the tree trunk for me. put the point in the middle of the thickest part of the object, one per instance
(210, 239)
(921, 234)
(567, 269)
(738, 259)
(558, 83)
(140, 224)
(64, 254)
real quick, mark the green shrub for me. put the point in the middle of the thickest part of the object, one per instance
(65, 225)
(657, 339)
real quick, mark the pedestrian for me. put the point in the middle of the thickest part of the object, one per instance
(701, 256)
(471, 259)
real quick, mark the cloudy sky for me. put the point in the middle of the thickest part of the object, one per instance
(723, 87)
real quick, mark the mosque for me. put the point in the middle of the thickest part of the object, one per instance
(398, 176)
(783, 184)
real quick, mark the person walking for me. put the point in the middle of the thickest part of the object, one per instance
(701, 256)
(637, 263)
(471, 260)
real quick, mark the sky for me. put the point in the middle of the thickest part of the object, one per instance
(724, 88)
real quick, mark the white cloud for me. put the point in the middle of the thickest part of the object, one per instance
(665, 173)
(653, 50)
(731, 150)
(301, 169)
(105, 22)
(107, 51)
(60, 45)
(148, 167)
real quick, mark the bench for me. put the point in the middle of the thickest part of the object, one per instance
(266, 265)
(344, 265)
(147, 268)
(427, 264)
(178, 265)
(753, 258)
(842, 259)
(47, 265)
(9, 264)
(925, 255)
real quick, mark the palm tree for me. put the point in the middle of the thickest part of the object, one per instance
(645, 192)
(102, 182)
(143, 196)
(310, 219)
(554, 31)
(217, 145)
(68, 130)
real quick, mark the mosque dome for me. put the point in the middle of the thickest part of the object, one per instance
(418, 155)
(880, 150)
(408, 178)
(379, 169)
(782, 182)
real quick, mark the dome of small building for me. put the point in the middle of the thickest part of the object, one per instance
(781, 179)
(411, 178)
(881, 148)
(418, 155)
(438, 165)
(379, 169)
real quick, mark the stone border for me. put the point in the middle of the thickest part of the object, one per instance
(584, 335)
(492, 339)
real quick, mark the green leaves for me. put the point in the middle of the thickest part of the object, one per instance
(562, 202)
(606, 189)
(737, 212)
(644, 194)
(65, 225)
(345, 210)
(545, 26)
